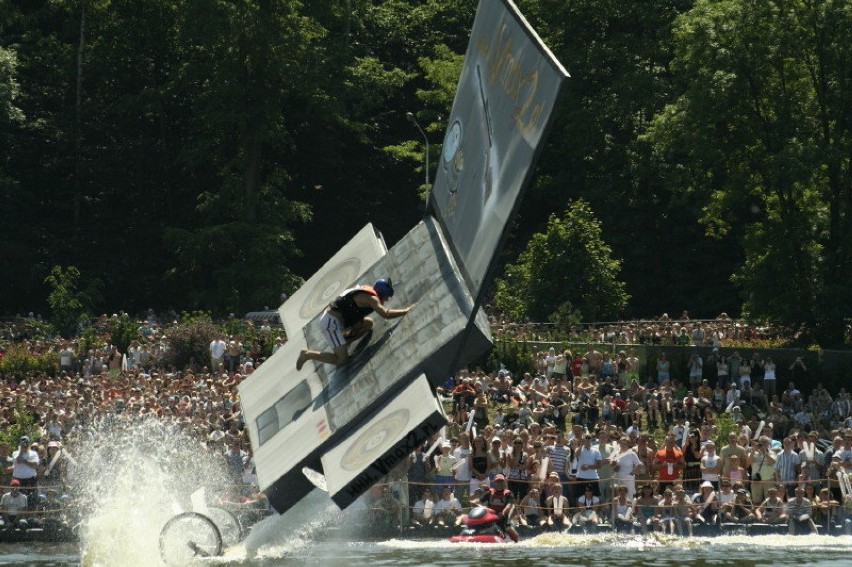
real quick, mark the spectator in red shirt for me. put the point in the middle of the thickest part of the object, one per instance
(669, 462)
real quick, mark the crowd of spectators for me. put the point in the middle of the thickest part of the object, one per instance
(664, 330)
(51, 412)
(586, 440)
(582, 439)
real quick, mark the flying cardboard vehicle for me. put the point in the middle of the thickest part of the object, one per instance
(354, 423)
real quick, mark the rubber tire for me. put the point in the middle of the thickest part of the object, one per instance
(229, 525)
(174, 525)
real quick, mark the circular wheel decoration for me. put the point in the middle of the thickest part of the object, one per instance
(188, 536)
(329, 287)
(453, 156)
(228, 524)
(372, 442)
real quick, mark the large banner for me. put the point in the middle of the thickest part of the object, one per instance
(502, 108)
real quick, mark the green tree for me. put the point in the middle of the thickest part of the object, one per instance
(565, 273)
(441, 72)
(11, 120)
(9, 89)
(122, 331)
(762, 132)
(248, 66)
(618, 55)
(189, 342)
(191, 139)
(25, 422)
(68, 305)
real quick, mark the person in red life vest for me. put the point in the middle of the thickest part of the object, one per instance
(502, 501)
(463, 397)
(346, 320)
(669, 462)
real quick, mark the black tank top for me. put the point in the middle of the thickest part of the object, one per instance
(480, 464)
(346, 306)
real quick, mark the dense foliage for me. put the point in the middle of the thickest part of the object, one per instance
(565, 274)
(210, 153)
(17, 361)
(761, 128)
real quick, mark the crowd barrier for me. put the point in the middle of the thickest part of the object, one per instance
(435, 487)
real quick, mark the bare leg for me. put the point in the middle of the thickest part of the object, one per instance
(512, 533)
(338, 357)
(358, 330)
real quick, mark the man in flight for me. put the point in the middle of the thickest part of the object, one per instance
(346, 320)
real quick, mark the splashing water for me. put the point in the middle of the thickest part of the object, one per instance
(290, 534)
(131, 479)
(134, 476)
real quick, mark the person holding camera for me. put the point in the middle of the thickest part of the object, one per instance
(25, 468)
(762, 459)
(798, 371)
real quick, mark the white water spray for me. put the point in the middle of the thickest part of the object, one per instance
(133, 476)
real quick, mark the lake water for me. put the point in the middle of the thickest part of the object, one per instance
(819, 551)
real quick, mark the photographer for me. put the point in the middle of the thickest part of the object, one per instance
(25, 468)
(762, 459)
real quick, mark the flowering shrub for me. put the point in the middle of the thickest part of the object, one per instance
(756, 344)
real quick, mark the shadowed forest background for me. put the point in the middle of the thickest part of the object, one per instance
(210, 153)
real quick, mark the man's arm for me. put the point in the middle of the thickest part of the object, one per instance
(509, 508)
(31, 459)
(770, 458)
(365, 300)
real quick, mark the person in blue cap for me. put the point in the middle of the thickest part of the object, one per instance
(346, 320)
